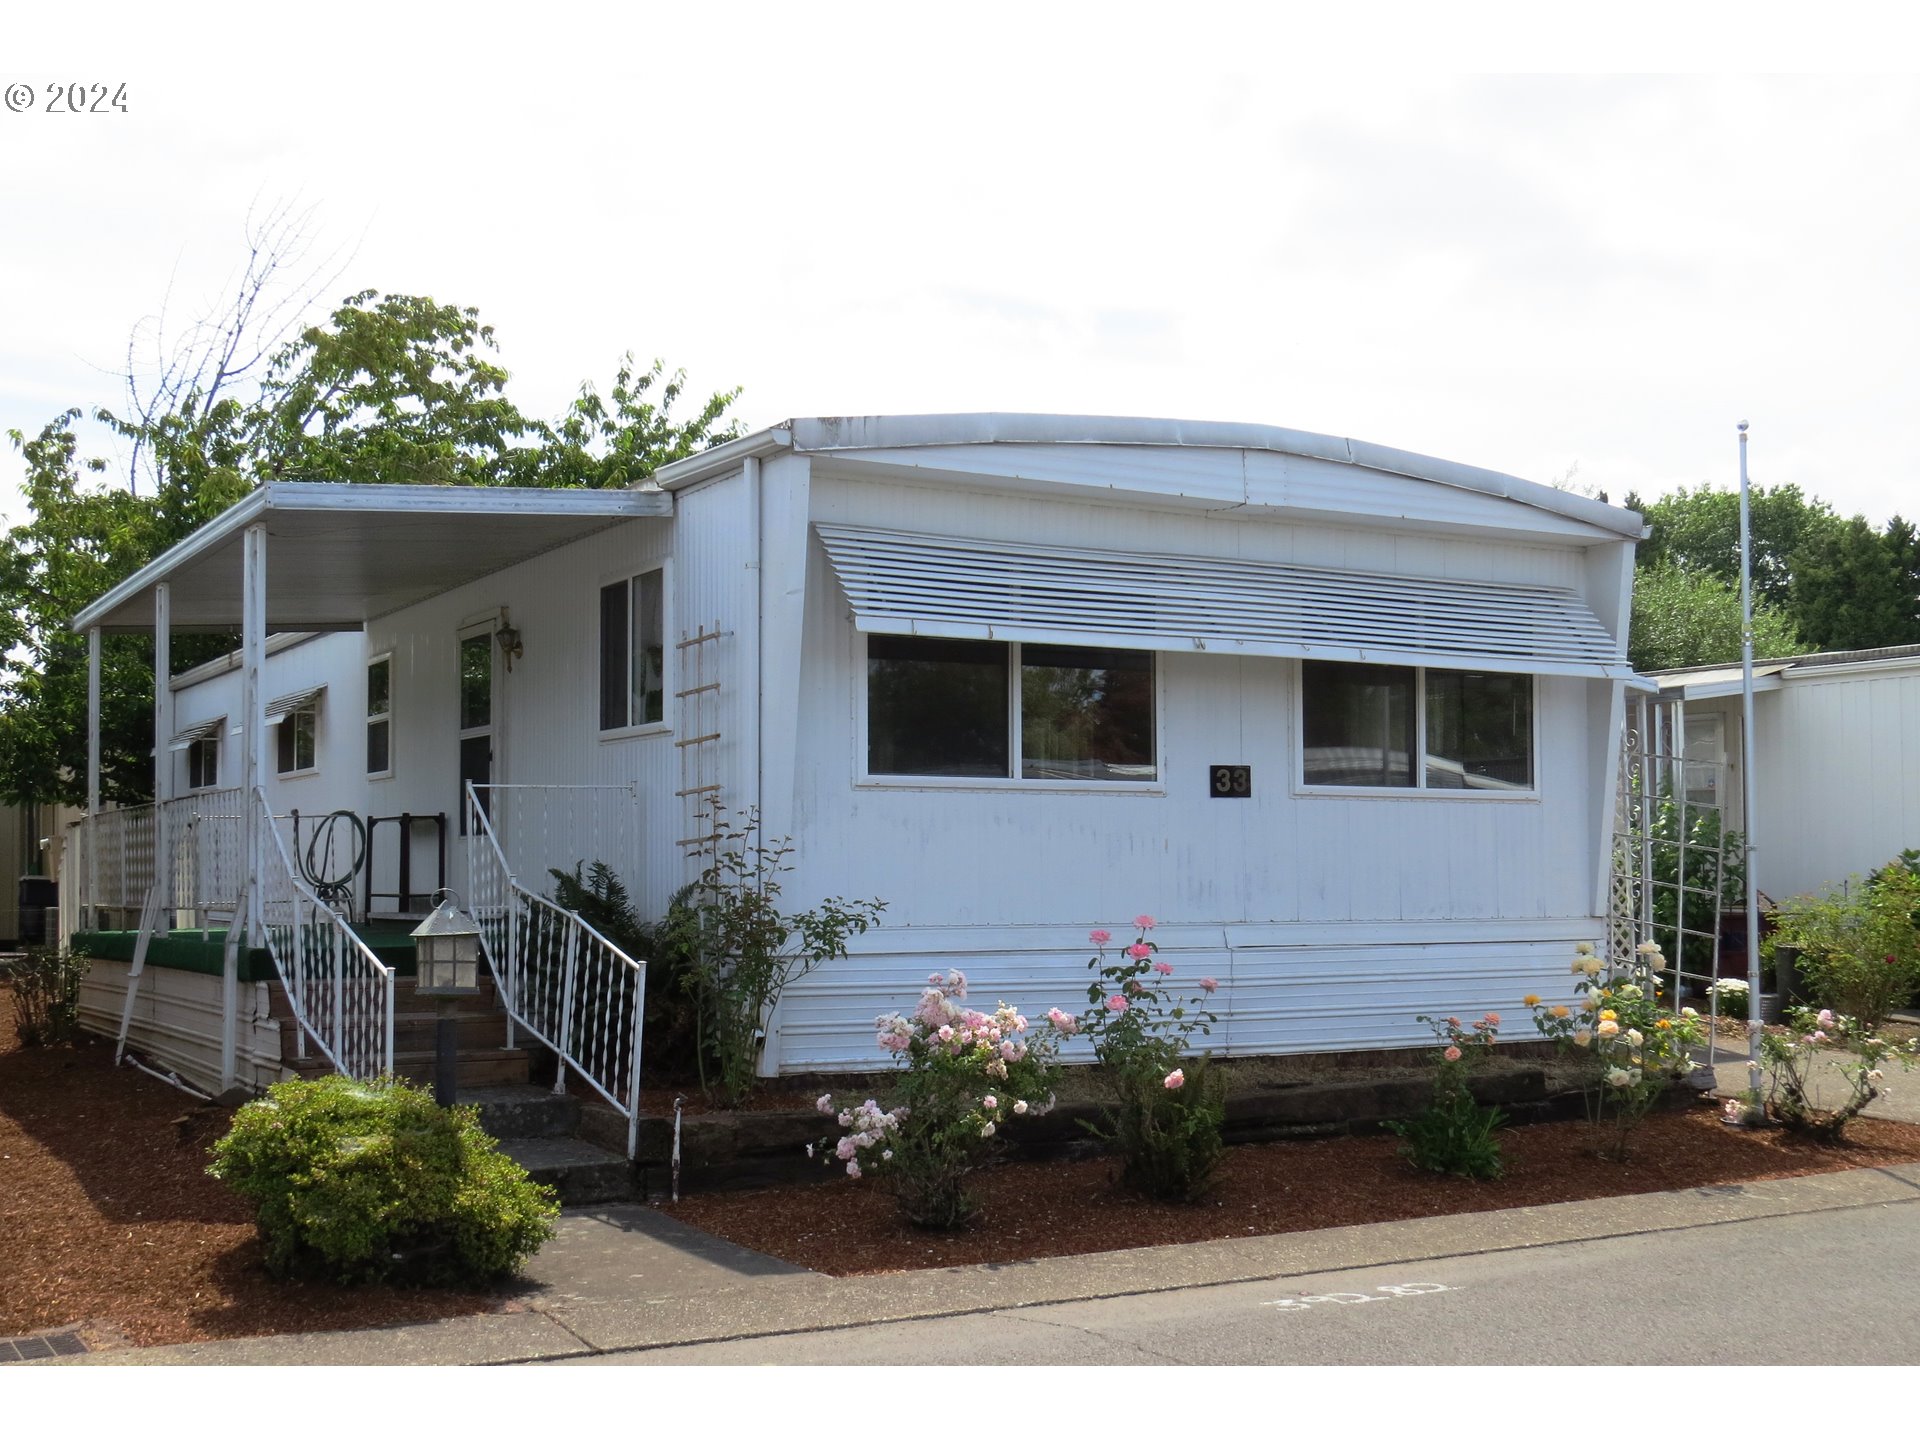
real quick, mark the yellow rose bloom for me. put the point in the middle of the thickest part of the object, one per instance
(1530, 1000)
(1559, 1012)
(1608, 1015)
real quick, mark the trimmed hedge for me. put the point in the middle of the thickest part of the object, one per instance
(361, 1181)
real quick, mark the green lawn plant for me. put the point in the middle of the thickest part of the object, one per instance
(1792, 1052)
(1454, 1134)
(46, 996)
(1859, 947)
(965, 1074)
(1618, 1026)
(359, 1181)
(737, 951)
(1162, 1108)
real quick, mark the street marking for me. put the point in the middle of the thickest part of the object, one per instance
(1355, 1297)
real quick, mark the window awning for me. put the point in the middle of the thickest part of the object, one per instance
(278, 710)
(205, 730)
(959, 588)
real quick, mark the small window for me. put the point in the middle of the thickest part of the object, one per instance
(380, 716)
(295, 740)
(633, 628)
(203, 761)
(1361, 725)
(949, 709)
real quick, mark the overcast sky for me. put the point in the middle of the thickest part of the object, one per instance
(890, 210)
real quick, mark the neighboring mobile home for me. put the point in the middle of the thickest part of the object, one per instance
(1346, 720)
(1836, 759)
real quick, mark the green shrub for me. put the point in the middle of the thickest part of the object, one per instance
(46, 997)
(1859, 947)
(359, 1181)
(1453, 1135)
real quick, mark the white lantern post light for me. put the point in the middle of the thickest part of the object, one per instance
(447, 960)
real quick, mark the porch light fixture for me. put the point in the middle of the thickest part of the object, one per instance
(508, 640)
(446, 949)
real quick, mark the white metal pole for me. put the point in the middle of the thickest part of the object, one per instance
(93, 774)
(1746, 765)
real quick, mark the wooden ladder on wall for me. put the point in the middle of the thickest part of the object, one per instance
(698, 745)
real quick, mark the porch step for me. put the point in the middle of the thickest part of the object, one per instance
(476, 1069)
(582, 1174)
(524, 1112)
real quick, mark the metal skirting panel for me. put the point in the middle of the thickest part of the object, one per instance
(1323, 995)
(923, 584)
(176, 1023)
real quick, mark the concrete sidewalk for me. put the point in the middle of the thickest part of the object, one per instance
(627, 1278)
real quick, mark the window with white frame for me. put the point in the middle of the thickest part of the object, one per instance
(294, 739)
(633, 659)
(380, 715)
(1362, 726)
(990, 709)
(203, 760)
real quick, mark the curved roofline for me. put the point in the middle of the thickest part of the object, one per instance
(901, 432)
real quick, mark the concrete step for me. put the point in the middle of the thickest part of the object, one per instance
(477, 1070)
(582, 1174)
(525, 1112)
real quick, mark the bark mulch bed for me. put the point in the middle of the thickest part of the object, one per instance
(109, 1219)
(1068, 1207)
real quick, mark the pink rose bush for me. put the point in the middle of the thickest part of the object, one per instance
(1789, 1056)
(964, 1071)
(1161, 1111)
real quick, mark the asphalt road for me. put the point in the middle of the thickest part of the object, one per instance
(1784, 1290)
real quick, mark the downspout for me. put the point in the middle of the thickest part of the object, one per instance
(751, 699)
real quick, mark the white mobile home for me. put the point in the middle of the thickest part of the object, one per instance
(1836, 784)
(1346, 720)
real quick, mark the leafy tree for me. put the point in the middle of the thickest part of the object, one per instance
(1849, 592)
(1690, 617)
(392, 388)
(1700, 530)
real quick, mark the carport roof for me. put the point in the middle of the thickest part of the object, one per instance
(341, 555)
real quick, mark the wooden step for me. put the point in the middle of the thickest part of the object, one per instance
(477, 1033)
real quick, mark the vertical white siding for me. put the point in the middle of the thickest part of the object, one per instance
(1838, 777)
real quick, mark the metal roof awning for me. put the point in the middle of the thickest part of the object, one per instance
(278, 710)
(340, 555)
(205, 730)
(960, 588)
(1713, 684)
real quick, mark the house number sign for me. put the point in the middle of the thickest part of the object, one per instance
(1230, 782)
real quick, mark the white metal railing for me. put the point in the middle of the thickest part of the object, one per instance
(340, 991)
(118, 868)
(559, 979)
(203, 840)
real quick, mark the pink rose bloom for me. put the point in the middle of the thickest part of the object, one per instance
(1099, 937)
(936, 978)
(945, 1032)
(1161, 967)
(1009, 1051)
(1453, 1052)
(990, 1103)
(1492, 1018)
(824, 1104)
(1139, 952)
(1825, 1017)
(1175, 1080)
(853, 1168)
(1209, 985)
(1144, 922)
(1116, 1003)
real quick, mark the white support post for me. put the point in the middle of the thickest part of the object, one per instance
(253, 650)
(162, 756)
(1747, 783)
(93, 776)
